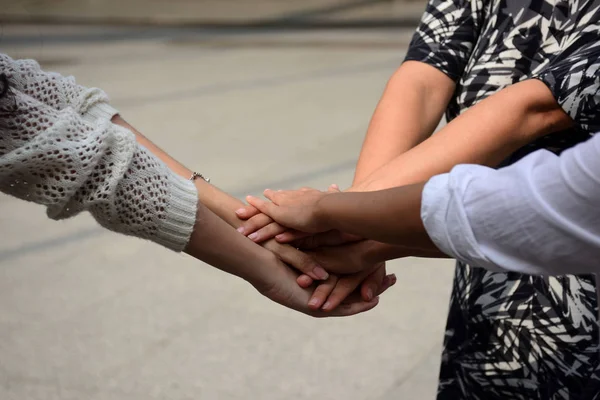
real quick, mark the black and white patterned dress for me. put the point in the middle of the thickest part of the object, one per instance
(512, 336)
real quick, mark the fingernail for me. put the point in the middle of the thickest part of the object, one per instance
(239, 211)
(393, 280)
(241, 230)
(320, 273)
(280, 236)
(369, 294)
(313, 302)
(327, 305)
(252, 236)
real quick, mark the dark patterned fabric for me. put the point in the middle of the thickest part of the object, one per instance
(512, 336)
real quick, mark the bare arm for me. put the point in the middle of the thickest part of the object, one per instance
(224, 206)
(485, 134)
(210, 196)
(391, 216)
(411, 107)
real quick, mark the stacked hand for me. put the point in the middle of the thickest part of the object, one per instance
(291, 217)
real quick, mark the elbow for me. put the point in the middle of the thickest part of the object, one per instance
(534, 111)
(543, 114)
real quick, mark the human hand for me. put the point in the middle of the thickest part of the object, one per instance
(355, 266)
(307, 241)
(344, 259)
(295, 209)
(373, 281)
(278, 282)
(299, 260)
(260, 227)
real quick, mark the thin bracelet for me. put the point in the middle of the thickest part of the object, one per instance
(197, 175)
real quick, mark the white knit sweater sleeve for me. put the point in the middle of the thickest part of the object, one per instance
(55, 158)
(55, 90)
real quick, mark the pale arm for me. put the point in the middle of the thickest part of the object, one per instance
(418, 93)
(224, 205)
(485, 134)
(213, 198)
(411, 107)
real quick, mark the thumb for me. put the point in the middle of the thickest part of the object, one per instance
(373, 284)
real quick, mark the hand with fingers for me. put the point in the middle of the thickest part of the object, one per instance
(336, 290)
(295, 209)
(261, 229)
(337, 252)
(277, 281)
(260, 226)
(352, 270)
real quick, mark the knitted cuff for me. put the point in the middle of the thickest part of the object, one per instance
(175, 231)
(99, 111)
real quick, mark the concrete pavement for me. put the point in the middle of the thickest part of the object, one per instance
(214, 12)
(87, 314)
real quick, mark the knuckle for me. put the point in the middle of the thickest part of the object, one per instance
(322, 293)
(272, 228)
(306, 260)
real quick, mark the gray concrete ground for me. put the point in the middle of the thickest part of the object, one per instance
(179, 12)
(87, 314)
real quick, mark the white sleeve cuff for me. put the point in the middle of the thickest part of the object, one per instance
(445, 219)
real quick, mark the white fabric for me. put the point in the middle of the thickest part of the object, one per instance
(540, 215)
(58, 148)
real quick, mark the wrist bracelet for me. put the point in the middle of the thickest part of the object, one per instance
(197, 175)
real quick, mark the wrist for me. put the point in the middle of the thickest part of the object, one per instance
(260, 274)
(371, 252)
(321, 214)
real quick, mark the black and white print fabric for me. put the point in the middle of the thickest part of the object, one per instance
(512, 336)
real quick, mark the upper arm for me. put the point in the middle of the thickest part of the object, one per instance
(446, 36)
(436, 86)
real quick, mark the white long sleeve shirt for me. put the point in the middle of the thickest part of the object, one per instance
(59, 148)
(540, 215)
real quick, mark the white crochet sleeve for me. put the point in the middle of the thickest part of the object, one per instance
(55, 158)
(55, 90)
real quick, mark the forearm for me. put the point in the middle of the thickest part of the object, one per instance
(408, 112)
(210, 196)
(390, 216)
(212, 237)
(481, 135)
(377, 252)
(218, 244)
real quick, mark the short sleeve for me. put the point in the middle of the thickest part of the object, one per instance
(445, 37)
(573, 76)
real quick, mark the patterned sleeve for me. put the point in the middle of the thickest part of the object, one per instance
(574, 79)
(445, 37)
